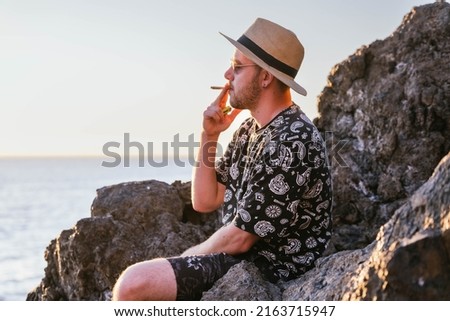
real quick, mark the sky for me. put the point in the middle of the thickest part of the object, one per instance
(77, 76)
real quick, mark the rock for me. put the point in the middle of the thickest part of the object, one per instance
(243, 282)
(385, 115)
(130, 222)
(409, 260)
(386, 118)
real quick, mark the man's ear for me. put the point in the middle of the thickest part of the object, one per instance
(266, 79)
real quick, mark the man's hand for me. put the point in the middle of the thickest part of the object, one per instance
(214, 120)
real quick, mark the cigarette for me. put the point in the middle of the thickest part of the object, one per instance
(217, 87)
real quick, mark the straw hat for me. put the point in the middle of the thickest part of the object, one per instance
(273, 48)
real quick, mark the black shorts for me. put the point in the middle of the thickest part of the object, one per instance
(196, 274)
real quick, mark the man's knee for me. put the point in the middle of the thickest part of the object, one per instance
(127, 287)
(149, 280)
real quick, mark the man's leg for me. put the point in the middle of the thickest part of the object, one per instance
(152, 280)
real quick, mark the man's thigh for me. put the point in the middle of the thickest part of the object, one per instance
(198, 273)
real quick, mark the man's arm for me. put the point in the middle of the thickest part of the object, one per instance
(207, 193)
(228, 239)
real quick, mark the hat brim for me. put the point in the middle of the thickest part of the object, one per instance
(287, 80)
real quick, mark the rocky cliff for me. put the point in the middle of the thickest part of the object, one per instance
(385, 114)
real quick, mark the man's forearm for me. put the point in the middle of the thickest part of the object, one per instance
(228, 239)
(206, 196)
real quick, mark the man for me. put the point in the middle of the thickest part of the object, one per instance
(273, 182)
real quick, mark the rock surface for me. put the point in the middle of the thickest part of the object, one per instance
(386, 118)
(385, 114)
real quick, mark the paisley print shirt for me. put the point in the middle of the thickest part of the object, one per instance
(278, 186)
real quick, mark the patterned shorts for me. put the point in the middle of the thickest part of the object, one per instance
(196, 274)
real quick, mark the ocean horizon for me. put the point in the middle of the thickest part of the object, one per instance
(42, 196)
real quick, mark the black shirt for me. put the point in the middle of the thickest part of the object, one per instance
(278, 186)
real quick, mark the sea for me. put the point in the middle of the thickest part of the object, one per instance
(40, 197)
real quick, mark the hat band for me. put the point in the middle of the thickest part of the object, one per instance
(266, 57)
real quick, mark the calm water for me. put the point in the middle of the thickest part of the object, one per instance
(41, 197)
